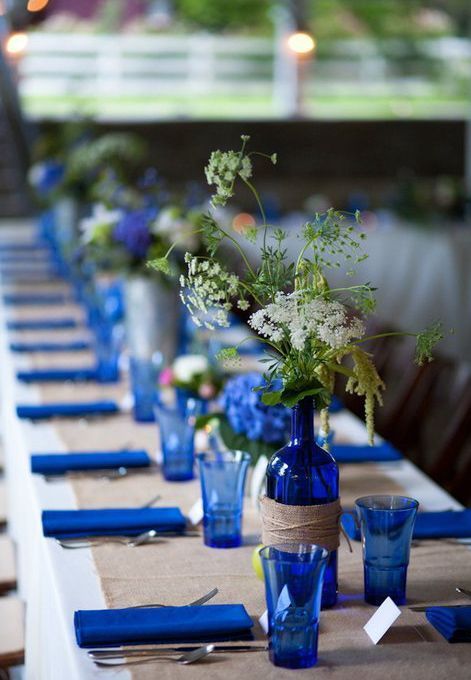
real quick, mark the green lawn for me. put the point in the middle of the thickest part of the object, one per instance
(322, 107)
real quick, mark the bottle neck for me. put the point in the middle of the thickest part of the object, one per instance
(302, 422)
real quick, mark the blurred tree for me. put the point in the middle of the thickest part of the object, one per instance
(384, 18)
(225, 14)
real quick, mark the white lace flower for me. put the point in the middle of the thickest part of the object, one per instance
(298, 321)
(208, 291)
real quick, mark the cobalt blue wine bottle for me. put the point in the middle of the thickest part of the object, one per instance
(301, 473)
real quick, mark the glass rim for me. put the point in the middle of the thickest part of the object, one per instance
(212, 457)
(311, 548)
(366, 502)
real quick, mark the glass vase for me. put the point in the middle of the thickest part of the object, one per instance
(302, 473)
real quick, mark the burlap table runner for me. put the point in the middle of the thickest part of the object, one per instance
(183, 568)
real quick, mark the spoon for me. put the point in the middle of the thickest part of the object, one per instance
(185, 659)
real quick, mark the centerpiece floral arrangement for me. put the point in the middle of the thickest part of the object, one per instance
(311, 332)
(194, 374)
(131, 225)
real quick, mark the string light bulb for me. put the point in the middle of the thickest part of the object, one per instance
(16, 43)
(36, 5)
(301, 43)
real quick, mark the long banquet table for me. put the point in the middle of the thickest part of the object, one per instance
(55, 582)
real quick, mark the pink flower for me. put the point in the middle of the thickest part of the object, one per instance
(206, 391)
(166, 377)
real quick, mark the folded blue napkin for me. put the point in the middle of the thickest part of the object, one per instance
(57, 375)
(351, 453)
(61, 463)
(336, 405)
(111, 522)
(205, 623)
(446, 524)
(454, 623)
(31, 299)
(76, 409)
(42, 324)
(74, 346)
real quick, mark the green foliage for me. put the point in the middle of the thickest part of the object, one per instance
(222, 15)
(238, 442)
(426, 341)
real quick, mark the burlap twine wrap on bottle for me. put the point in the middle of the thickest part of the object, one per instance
(318, 524)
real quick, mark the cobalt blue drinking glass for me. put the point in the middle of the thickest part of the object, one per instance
(143, 374)
(177, 435)
(108, 344)
(294, 576)
(302, 473)
(189, 402)
(386, 524)
(222, 475)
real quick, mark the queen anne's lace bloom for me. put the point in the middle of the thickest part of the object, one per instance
(208, 292)
(299, 320)
(222, 171)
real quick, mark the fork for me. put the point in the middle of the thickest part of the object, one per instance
(461, 591)
(195, 603)
(134, 542)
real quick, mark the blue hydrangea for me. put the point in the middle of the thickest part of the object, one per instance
(248, 415)
(133, 232)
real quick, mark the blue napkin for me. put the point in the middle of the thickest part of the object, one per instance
(454, 623)
(446, 524)
(59, 464)
(351, 453)
(111, 522)
(76, 409)
(42, 324)
(206, 623)
(32, 299)
(57, 375)
(74, 346)
(336, 405)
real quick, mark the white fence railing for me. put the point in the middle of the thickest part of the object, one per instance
(179, 66)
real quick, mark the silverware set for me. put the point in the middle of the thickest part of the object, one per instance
(181, 654)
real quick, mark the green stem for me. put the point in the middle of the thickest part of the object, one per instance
(384, 335)
(175, 243)
(240, 249)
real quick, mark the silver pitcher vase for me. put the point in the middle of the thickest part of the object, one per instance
(152, 318)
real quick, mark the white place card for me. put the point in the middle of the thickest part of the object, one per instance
(382, 620)
(258, 480)
(195, 514)
(263, 621)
